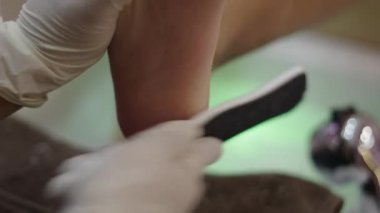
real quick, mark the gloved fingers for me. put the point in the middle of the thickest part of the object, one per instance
(68, 36)
(87, 163)
(75, 7)
(170, 139)
(52, 27)
(186, 130)
(73, 163)
(51, 43)
(64, 183)
(204, 152)
(208, 150)
(75, 171)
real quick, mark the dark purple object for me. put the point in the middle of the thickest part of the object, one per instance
(349, 139)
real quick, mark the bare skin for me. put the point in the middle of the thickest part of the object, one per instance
(162, 73)
(162, 53)
(162, 64)
(248, 24)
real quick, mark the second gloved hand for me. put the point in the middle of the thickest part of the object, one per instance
(52, 42)
(157, 171)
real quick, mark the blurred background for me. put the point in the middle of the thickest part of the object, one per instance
(342, 56)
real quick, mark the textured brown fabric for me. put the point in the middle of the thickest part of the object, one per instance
(267, 193)
(28, 159)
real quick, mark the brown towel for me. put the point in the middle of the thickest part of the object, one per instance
(28, 159)
(267, 193)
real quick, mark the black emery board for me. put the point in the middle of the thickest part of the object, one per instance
(275, 98)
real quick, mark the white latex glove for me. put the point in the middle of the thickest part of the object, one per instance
(51, 43)
(157, 171)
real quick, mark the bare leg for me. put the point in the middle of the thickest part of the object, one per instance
(161, 60)
(247, 24)
(162, 52)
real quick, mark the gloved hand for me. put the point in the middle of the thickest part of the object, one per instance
(51, 43)
(157, 171)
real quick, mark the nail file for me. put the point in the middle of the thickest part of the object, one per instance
(275, 98)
